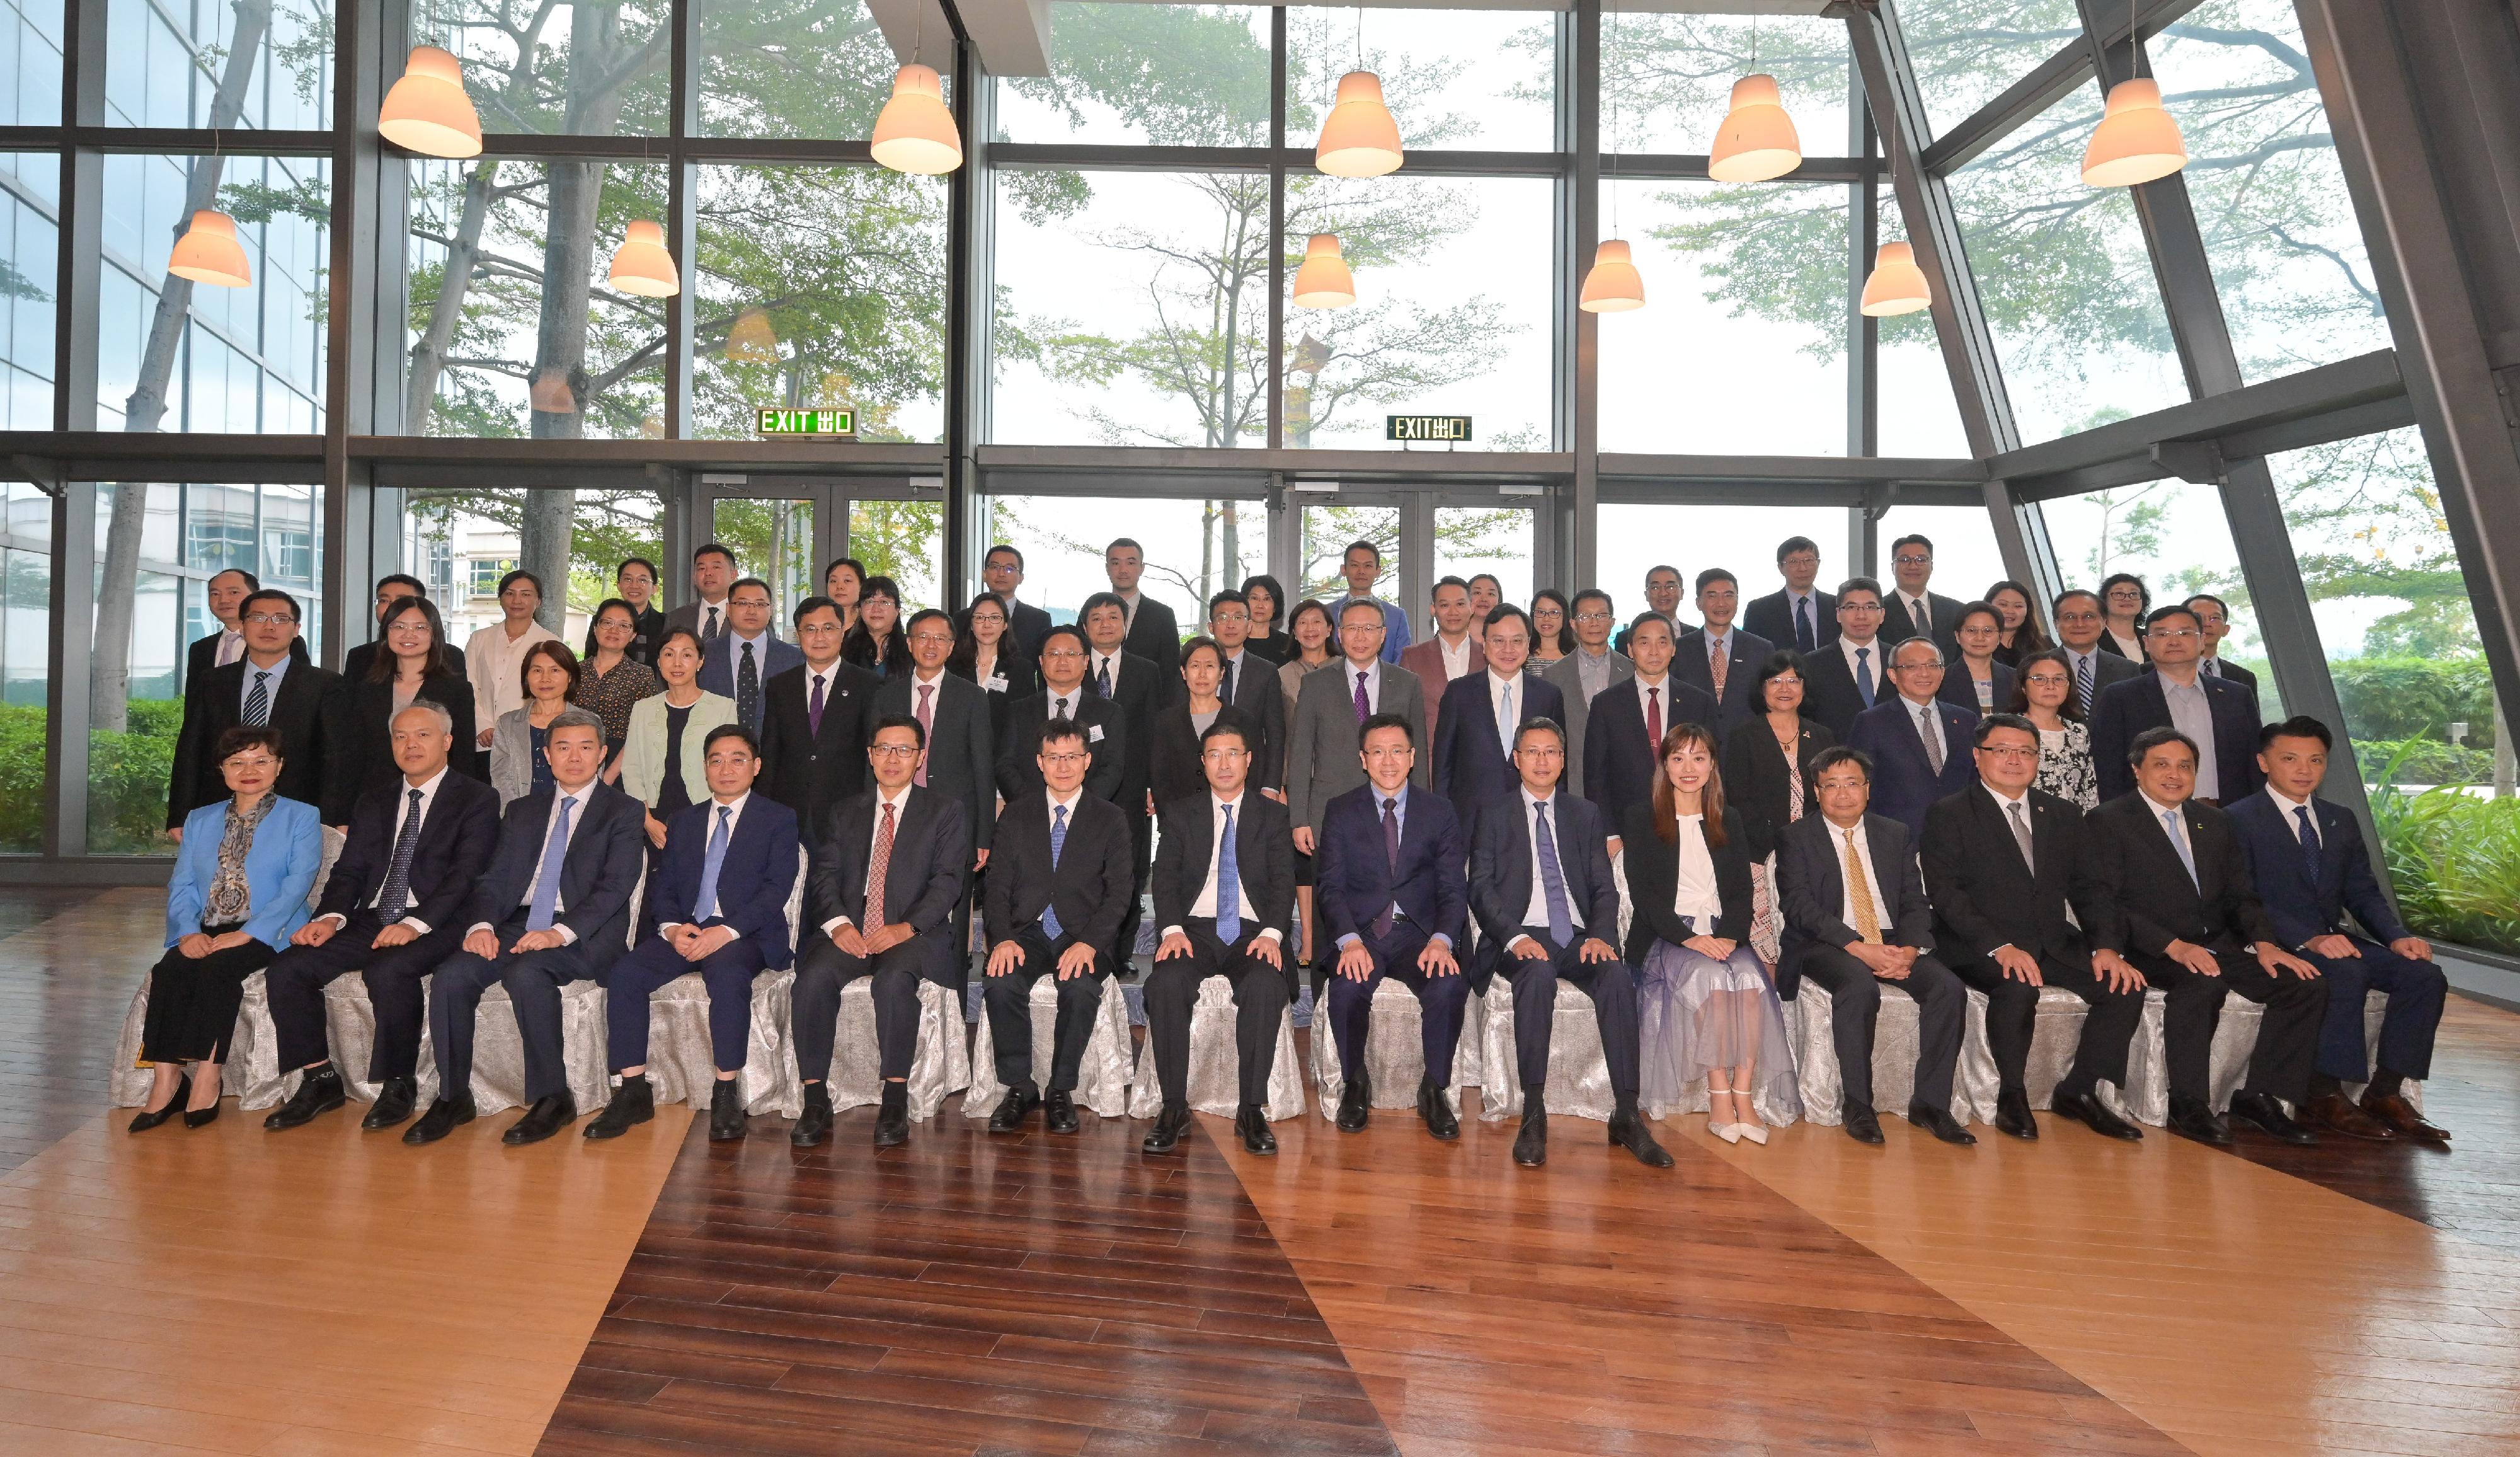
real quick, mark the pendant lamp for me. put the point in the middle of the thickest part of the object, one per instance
(1324, 280)
(915, 133)
(751, 340)
(1896, 285)
(2136, 140)
(208, 252)
(552, 395)
(427, 111)
(1612, 285)
(641, 265)
(1757, 140)
(1359, 138)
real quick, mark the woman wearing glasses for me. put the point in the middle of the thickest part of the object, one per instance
(2044, 692)
(412, 664)
(1767, 771)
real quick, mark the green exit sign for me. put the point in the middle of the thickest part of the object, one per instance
(1450, 429)
(810, 423)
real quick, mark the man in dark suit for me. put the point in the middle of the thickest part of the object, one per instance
(1064, 694)
(1135, 686)
(1483, 711)
(1911, 610)
(1850, 674)
(2213, 614)
(2219, 715)
(2307, 861)
(706, 616)
(1151, 629)
(1914, 740)
(1540, 885)
(1225, 895)
(1662, 599)
(721, 889)
(272, 687)
(749, 654)
(1390, 891)
(1623, 733)
(1250, 684)
(813, 720)
(1798, 615)
(1856, 921)
(1718, 659)
(2079, 625)
(890, 873)
(391, 590)
(960, 758)
(1059, 886)
(393, 908)
(1001, 571)
(224, 596)
(2003, 865)
(553, 907)
(2195, 928)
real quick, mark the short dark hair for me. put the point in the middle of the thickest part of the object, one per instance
(1489, 577)
(1220, 728)
(2153, 738)
(1442, 582)
(2220, 605)
(751, 741)
(1103, 600)
(1357, 604)
(241, 737)
(2143, 594)
(1582, 595)
(520, 574)
(1279, 605)
(923, 614)
(699, 647)
(1644, 620)
(811, 606)
(1059, 728)
(2056, 657)
(1384, 721)
(1117, 542)
(1063, 629)
(851, 562)
(719, 547)
(1362, 545)
(558, 652)
(2299, 726)
(1838, 754)
(2058, 604)
(418, 587)
(1230, 594)
(1504, 611)
(742, 582)
(1009, 550)
(1914, 538)
(1659, 567)
(918, 735)
(270, 594)
(2159, 615)
(1779, 663)
(627, 562)
(1538, 723)
(1860, 584)
(1716, 574)
(1194, 645)
(1973, 609)
(608, 605)
(1992, 721)
(252, 583)
(1793, 544)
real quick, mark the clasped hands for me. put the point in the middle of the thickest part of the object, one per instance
(883, 939)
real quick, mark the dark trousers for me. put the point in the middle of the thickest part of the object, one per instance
(823, 970)
(1141, 844)
(1260, 998)
(1609, 984)
(728, 973)
(1855, 1003)
(1007, 1000)
(1440, 1000)
(2288, 1035)
(533, 980)
(2012, 1012)
(2415, 990)
(394, 976)
(192, 1002)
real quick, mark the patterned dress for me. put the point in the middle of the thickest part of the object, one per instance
(2065, 767)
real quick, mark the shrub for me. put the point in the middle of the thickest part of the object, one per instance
(126, 783)
(2455, 858)
(2411, 697)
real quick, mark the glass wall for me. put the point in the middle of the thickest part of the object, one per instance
(1191, 549)
(29, 250)
(26, 632)
(1740, 539)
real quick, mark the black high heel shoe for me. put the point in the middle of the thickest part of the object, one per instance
(200, 1118)
(142, 1123)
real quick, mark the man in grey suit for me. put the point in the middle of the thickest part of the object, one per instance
(713, 574)
(1582, 675)
(2079, 624)
(1323, 762)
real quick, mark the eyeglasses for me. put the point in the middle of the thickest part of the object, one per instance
(1221, 755)
(1060, 653)
(2078, 617)
(268, 620)
(762, 602)
(1860, 607)
(2007, 752)
(931, 639)
(2047, 680)
(1543, 751)
(1591, 618)
(894, 751)
(1064, 759)
(2172, 634)
(1910, 559)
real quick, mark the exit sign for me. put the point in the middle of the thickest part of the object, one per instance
(1447, 428)
(809, 423)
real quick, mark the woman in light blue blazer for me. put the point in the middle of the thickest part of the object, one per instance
(241, 879)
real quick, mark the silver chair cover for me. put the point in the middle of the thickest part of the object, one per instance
(1894, 1059)
(1215, 1065)
(1579, 1080)
(939, 1068)
(1395, 1053)
(1102, 1080)
(682, 1063)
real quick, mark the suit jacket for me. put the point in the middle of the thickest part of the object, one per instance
(1426, 660)
(1470, 763)
(2108, 668)
(1092, 885)
(2235, 673)
(1264, 850)
(606, 855)
(2157, 901)
(203, 656)
(1653, 881)
(1679, 629)
(1755, 782)
(1830, 695)
(1025, 624)
(357, 662)
(2308, 896)
(1811, 891)
(1569, 680)
(688, 617)
(717, 670)
(1106, 738)
(1322, 752)
(2126, 708)
(924, 887)
(373, 703)
(1500, 859)
(280, 866)
(1154, 634)
(753, 881)
(1017, 676)
(1985, 897)
(1352, 878)
(456, 840)
(962, 758)
(1903, 781)
(1139, 687)
(1262, 701)
(1618, 762)
(1772, 618)
(809, 772)
(1741, 665)
(1178, 771)
(1957, 689)
(1897, 626)
(319, 742)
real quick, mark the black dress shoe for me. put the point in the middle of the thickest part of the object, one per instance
(142, 1123)
(726, 1110)
(893, 1120)
(1353, 1101)
(1940, 1123)
(1437, 1111)
(2012, 1113)
(200, 1118)
(1628, 1130)
(546, 1117)
(2087, 1110)
(815, 1122)
(395, 1099)
(1253, 1124)
(1531, 1145)
(2269, 1117)
(1862, 1124)
(1058, 1110)
(319, 1092)
(441, 1120)
(1167, 1133)
(2192, 1117)
(633, 1102)
(1011, 1110)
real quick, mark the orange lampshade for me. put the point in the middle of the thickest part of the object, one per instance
(641, 265)
(208, 252)
(1612, 285)
(750, 340)
(1324, 280)
(2136, 141)
(1757, 140)
(427, 111)
(1896, 286)
(914, 132)
(1359, 137)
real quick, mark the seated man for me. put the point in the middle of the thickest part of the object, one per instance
(553, 907)
(1389, 882)
(721, 892)
(1540, 885)
(391, 909)
(889, 869)
(2307, 859)
(1225, 892)
(1059, 883)
(2020, 903)
(2195, 930)
(1856, 921)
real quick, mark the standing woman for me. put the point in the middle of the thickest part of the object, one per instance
(662, 763)
(518, 764)
(1978, 682)
(875, 641)
(1707, 1006)
(413, 664)
(242, 876)
(494, 656)
(1179, 773)
(987, 654)
(2044, 694)
(1308, 635)
(2124, 600)
(1551, 635)
(612, 681)
(1268, 603)
(843, 581)
(1767, 762)
(2021, 634)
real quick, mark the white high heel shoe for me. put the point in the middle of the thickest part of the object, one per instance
(1729, 1133)
(1753, 1130)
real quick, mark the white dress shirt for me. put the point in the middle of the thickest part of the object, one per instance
(1094, 663)
(2288, 807)
(582, 793)
(1660, 688)
(1205, 904)
(1498, 688)
(1882, 911)
(1697, 897)
(1849, 647)
(1456, 660)
(1536, 912)
(1907, 606)
(900, 804)
(709, 828)
(402, 816)
(709, 611)
(231, 647)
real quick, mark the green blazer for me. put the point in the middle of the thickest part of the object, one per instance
(643, 754)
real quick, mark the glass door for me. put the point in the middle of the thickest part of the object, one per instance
(788, 532)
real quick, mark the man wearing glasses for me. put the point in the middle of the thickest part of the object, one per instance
(2079, 625)
(1585, 674)
(744, 661)
(1800, 617)
(270, 687)
(2219, 715)
(1064, 694)
(1853, 674)
(1662, 599)
(1911, 610)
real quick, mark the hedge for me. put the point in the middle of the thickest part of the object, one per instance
(126, 788)
(2416, 698)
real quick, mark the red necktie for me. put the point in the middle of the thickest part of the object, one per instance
(927, 727)
(1653, 717)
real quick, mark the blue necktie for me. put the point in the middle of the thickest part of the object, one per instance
(1057, 842)
(1229, 886)
(1505, 721)
(2179, 842)
(705, 904)
(257, 704)
(2308, 839)
(2083, 683)
(1803, 637)
(396, 893)
(1864, 675)
(1552, 877)
(1103, 679)
(547, 885)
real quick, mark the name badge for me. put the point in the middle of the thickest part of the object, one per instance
(995, 683)
(1094, 733)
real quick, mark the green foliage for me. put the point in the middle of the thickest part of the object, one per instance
(2455, 858)
(1183, 77)
(2423, 761)
(128, 774)
(2399, 697)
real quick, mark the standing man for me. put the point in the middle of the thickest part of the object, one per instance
(747, 655)
(1914, 739)
(2218, 715)
(1225, 893)
(1718, 660)
(1454, 651)
(1846, 679)
(1361, 566)
(1474, 739)
(391, 590)
(635, 579)
(1390, 887)
(1064, 694)
(224, 595)
(1136, 686)
(813, 720)
(1003, 570)
(1332, 706)
(1623, 733)
(960, 758)
(270, 687)
(1662, 596)
(2213, 614)
(2079, 625)
(1585, 674)
(494, 659)
(1914, 611)
(1147, 625)
(1250, 684)
(713, 574)
(1540, 883)
(1799, 616)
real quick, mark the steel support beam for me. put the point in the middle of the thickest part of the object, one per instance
(1581, 543)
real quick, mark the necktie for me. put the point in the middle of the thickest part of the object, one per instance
(2083, 683)
(1103, 678)
(1060, 708)
(1868, 917)
(1505, 721)
(1391, 859)
(814, 709)
(257, 704)
(2309, 838)
(546, 904)
(396, 892)
(1057, 842)
(1924, 624)
(878, 870)
(1228, 885)
(1804, 638)
(747, 690)
(2020, 814)
(1933, 740)
(231, 647)
(927, 727)
(1717, 661)
(1653, 717)
(1225, 685)
(2213, 669)
(1864, 675)
(2187, 857)
(709, 630)
(1364, 705)
(705, 905)
(1553, 877)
